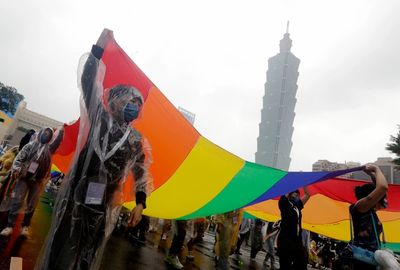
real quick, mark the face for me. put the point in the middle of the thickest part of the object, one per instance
(45, 137)
(294, 196)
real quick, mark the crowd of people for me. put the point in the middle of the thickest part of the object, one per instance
(178, 239)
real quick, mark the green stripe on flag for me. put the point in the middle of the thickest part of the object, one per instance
(247, 185)
(393, 246)
(248, 215)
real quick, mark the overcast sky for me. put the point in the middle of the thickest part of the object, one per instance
(210, 57)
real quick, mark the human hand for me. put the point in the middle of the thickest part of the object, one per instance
(371, 168)
(136, 215)
(306, 191)
(104, 37)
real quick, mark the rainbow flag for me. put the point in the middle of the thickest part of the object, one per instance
(193, 177)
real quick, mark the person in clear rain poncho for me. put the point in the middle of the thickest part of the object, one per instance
(226, 237)
(29, 170)
(89, 202)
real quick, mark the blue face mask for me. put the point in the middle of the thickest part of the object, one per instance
(131, 112)
(45, 138)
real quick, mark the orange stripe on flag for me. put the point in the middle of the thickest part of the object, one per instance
(170, 135)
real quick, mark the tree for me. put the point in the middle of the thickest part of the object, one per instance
(394, 147)
(9, 99)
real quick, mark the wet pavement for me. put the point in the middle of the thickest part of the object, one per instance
(123, 254)
(120, 252)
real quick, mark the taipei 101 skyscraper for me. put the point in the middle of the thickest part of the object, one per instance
(274, 142)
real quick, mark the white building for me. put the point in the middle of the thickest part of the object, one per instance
(23, 121)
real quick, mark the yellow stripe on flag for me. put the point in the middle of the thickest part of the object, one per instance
(204, 174)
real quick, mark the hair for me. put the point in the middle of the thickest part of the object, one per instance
(295, 191)
(122, 90)
(26, 139)
(48, 129)
(363, 191)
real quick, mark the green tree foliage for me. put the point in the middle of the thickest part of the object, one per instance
(394, 147)
(9, 98)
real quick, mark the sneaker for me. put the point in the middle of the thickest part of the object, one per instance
(7, 231)
(174, 262)
(26, 231)
(168, 259)
(171, 260)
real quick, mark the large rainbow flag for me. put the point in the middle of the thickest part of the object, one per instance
(193, 177)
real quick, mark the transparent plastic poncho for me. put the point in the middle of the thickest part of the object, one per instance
(33, 164)
(108, 150)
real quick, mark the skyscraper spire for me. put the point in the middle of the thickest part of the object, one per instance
(286, 42)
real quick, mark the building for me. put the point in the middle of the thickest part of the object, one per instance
(388, 169)
(22, 122)
(277, 115)
(326, 165)
(188, 115)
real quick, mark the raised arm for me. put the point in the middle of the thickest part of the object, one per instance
(56, 143)
(91, 70)
(306, 195)
(381, 186)
(88, 78)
